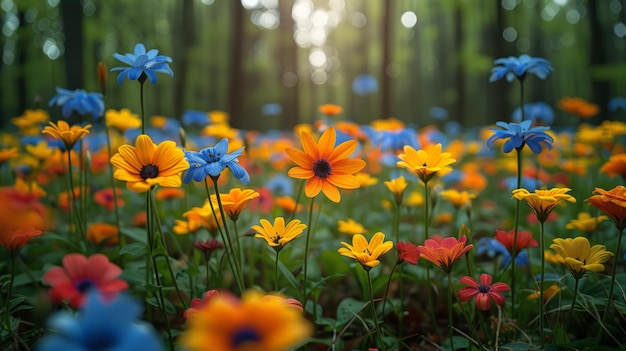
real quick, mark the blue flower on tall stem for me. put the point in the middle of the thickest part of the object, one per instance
(538, 112)
(518, 67)
(101, 325)
(520, 134)
(78, 101)
(210, 162)
(143, 65)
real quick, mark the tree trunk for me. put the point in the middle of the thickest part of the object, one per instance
(236, 83)
(597, 55)
(72, 13)
(184, 38)
(288, 58)
(385, 104)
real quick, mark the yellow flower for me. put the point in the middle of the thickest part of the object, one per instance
(182, 227)
(122, 120)
(68, 135)
(7, 154)
(427, 162)
(415, 199)
(41, 151)
(146, 164)
(397, 187)
(457, 198)
(30, 122)
(325, 166)
(220, 131)
(366, 253)
(255, 322)
(218, 117)
(542, 202)
(350, 227)
(278, 235)
(579, 257)
(548, 293)
(204, 216)
(365, 179)
(235, 201)
(585, 222)
(31, 188)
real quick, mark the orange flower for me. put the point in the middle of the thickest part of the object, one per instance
(23, 217)
(7, 154)
(104, 198)
(330, 109)
(98, 233)
(444, 253)
(235, 201)
(616, 165)
(169, 194)
(288, 204)
(68, 135)
(325, 166)
(64, 199)
(613, 203)
(579, 107)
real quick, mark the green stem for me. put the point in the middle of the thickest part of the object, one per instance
(234, 250)
(450, 320)
(143, 118)
(609, 301)
(543, 261)
(157, 219)
(571, 310)
(515, 232)
(228, 248)
(74, 206)
(306, 252)
(7, 305)
(373, 307)
(276, 272)
(387, 289)
(121, 241)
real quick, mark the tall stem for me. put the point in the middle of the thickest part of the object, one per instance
(373, 307)
(609, 301)
(306, 252)
(121, 241)
(7, 305)
(543, 261)
(571, 310)
(450, 321)
(276, 272)
(387, 289)
(143, 118)
(74, 206)
(515, 232)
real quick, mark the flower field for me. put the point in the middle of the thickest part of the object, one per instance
(122, 231)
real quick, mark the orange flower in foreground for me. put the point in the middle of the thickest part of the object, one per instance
(7, 154)
(325, 166)
(616, 165)
(445, 252)
(22, 218)
(579, 107)
(613, 203)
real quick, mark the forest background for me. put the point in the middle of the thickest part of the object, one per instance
(271, 63)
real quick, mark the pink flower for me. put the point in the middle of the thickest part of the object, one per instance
(407, 252)
(197, 304)
(484, 291)
(79, 275)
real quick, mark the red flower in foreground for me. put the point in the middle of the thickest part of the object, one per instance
(444, 253)
(524, 240)
(483, 291)
(79, 275)
(407, 252)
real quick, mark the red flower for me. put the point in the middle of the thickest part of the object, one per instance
(197, 304)
(613, 203)
(79, 275)
(524, 240)
(407, 252)
(207, 247)
(484, 291)
(444, 253)
(104, 197)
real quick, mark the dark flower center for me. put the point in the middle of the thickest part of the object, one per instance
(214, 157)
(321, 169)
(277, 238)
(244, 336)
(483, 289)
(149, 171)
(84, 285)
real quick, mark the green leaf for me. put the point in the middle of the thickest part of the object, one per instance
(134, 249)
(347, 309)
(560, 335)
(517, 346)
(289, 276)
(137, 234)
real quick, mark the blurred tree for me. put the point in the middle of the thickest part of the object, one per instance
(235, 70)
(72, 15)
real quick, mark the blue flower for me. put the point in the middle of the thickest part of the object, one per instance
(438, 112)
(280, 184)
(520, 134)
(538, 112)
(272, 109)
(617, 103)
(493, 248)
(392, 140)
(191, 117)
(517, 67)
(78, 101)
(212, 161)
(142, 64)
(101, 325)
(364, 84)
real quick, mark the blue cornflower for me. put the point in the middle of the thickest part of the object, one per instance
(79, 101)
(517, 67)
(392, 140)
(520, 134)
(538, 112)
(143, 64)
(492, 248)
(364, 84)
(280, 184)
(101, 325)
(192, 117)
(617, 103)
(212, 161)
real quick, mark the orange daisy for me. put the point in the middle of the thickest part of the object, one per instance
(325, 166)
